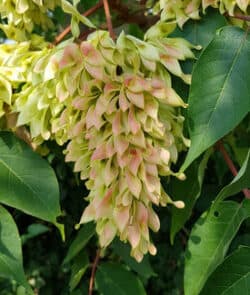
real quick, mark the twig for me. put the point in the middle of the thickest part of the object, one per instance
(220, 147)
(229, 162)
(94, 266)
(108, 19)
(239, 16)
(93, 9)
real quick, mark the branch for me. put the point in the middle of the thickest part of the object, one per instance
(108, 19)
(93, 9)
(94, 266)
(239, 16)
(220, 147)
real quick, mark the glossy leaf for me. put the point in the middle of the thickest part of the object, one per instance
(11, 261)
(115, 279)
(83, 236)
(219, 94)
(188, 191)
(27, 182)
(232, 276)
(209, 242)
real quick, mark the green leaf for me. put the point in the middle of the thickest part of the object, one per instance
(11, 261)
(209, 241)
(188, 191)
(241, 181)
(143, 268)
(83, 236)
(232, 276)
(201, 32)
(27, 182)
(115, 279)
(219, 93)
(68, 8)
(33, 231)
(211, 236)
(78, 269)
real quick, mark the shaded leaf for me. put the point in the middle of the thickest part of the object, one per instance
(241, 181)
(143, 268)
(83, 236)
(78, 269)
(11, 261)
(115, 279)
(33, 231)
(219, 94)
(27, 182)
(232, 276)
(188, 191)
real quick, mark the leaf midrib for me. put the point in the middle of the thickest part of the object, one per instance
(224, 84)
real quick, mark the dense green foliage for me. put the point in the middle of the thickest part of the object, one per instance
(122, 109)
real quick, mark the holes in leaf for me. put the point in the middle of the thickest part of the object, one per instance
(216, 214)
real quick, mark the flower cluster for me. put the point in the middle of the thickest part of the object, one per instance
(127, 134)
(180, 11)
(114, 105)
(16, 62)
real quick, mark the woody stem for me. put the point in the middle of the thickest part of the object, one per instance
(230, 164)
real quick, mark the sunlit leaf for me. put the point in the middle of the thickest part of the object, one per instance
(219, 93)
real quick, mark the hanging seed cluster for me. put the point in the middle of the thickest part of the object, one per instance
(112, 104)
(181, 11)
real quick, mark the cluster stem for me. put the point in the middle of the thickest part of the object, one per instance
(108, 19)
(93, 271)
